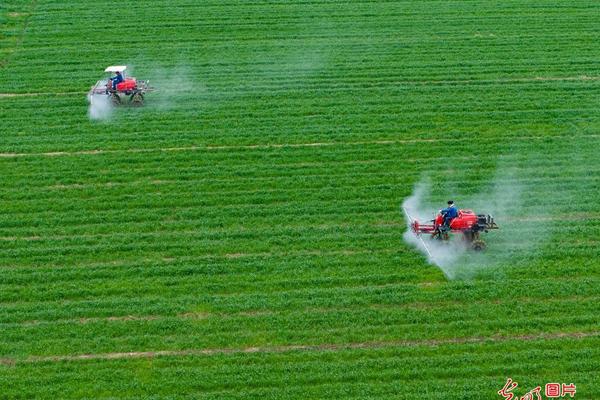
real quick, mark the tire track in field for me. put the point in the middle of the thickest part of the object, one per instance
(276, 146)
(19, 42)
(332, 347)
(453, 82)
(191, 232)
(257, 313)
(577, 217)
(3, 95)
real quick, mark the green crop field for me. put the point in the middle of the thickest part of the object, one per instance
(241, 237)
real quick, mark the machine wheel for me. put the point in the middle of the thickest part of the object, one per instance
(115, 99)
(137, 99)
(478, 245)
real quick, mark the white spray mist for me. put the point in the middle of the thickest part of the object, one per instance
(100, 107)
(505, 200)
(175, 86)
(444, 254)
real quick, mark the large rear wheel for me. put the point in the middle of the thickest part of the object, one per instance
(115, 99)
(137, 99)
(478, 245)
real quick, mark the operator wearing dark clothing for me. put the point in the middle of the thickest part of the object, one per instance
(118, 78)
(449, 213)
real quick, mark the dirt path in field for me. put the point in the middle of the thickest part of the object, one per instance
(273, 146)
(290, 348)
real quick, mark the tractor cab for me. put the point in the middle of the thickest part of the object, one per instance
(128, 85)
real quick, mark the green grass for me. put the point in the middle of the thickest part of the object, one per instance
(246, 221)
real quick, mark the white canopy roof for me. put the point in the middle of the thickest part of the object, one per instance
(116, 68)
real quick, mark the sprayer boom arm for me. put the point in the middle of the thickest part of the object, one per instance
(414, 224)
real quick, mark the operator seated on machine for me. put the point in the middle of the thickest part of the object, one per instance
(118, 78)
(449, 213)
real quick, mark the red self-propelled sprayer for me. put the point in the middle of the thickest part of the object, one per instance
(129, 91)
(468, 224)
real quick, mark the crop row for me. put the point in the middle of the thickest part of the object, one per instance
(288, 285)
(346, 125)
(310, 327)
(470, 369)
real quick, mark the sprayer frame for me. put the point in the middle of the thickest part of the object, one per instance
(130, 88)
(468, 224)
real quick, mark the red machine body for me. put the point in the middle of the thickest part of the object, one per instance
(127, 85)
(465, 220)
(467, 223)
